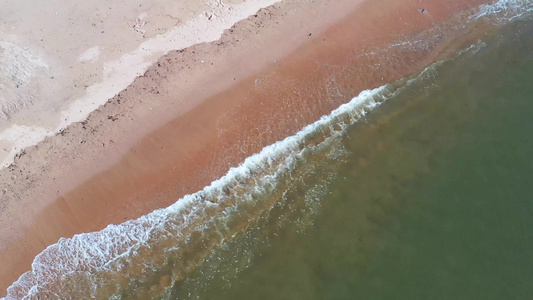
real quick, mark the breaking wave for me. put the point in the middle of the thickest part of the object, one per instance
(116, 260)
(504, 11)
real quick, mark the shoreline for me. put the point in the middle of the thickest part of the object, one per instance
(228, 124)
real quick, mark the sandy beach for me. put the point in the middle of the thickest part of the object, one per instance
(203, 108)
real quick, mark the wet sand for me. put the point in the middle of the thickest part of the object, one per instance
(200, 111)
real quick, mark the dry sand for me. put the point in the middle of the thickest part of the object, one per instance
(199, 111)
(60, 60)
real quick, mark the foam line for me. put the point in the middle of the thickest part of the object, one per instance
(505, 11)
(93, 252)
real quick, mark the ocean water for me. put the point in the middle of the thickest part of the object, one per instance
(419, 189)
(430, 198)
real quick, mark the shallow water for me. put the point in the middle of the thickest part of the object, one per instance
(429, 198)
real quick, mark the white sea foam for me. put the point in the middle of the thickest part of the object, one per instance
(505, 11)
(95, 251)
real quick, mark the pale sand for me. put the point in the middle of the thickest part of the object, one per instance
(208, 133)
(60, 60)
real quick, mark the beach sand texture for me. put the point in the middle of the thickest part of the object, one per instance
(193, 113)
(61, 60)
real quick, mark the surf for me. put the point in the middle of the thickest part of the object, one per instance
(204, 217)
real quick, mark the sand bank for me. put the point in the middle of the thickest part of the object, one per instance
(62, 60)
(199, 111)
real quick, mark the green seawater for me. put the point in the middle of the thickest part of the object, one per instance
(431, 197)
